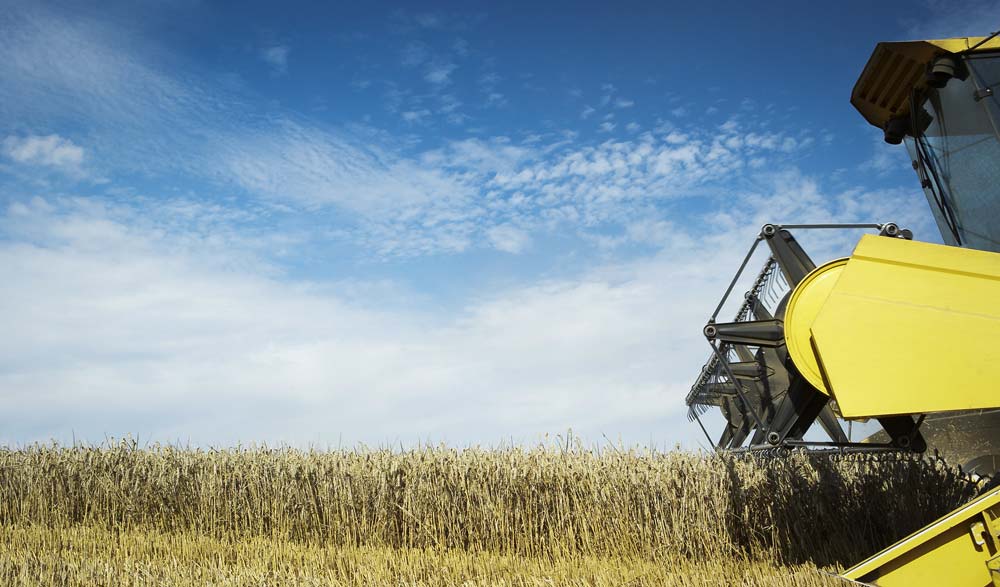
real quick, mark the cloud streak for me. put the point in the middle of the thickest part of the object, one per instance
(461, 196)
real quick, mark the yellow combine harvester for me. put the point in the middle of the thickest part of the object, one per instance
(919, 322)
(903, 332)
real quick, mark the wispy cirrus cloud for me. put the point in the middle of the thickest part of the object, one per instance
(69, 66)
(389, 200)
(188, 127)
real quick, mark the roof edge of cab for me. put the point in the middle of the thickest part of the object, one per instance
(895, 69)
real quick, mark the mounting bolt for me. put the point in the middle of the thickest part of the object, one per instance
(710, 331)
(903, 442)
(773, 437)
(768, 230)
(889, 229)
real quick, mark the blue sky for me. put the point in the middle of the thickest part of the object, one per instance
(388, 223)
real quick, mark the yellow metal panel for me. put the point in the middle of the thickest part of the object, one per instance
(803, 306)
(911, 328)
(895, 69)
(959, 44)
(951, 551)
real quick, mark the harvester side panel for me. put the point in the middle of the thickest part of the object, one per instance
(911, 328)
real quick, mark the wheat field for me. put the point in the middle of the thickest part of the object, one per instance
(120, 514)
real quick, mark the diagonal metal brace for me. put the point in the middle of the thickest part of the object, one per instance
(795, 264)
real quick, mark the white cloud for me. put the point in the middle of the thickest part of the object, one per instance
(387, 202)
(651, 231)
(396, 205)
(624, 103)
(47, 151)
(123, 319)
(457, 118)
(58, 70)
(508, 238)
(390, 199)
(885, 158)
(439, 72)
(276, 57)
(495, 100)
(490, 79)
(484, 157)
(415, 115)
(609, 92)
(139, 120)
(114, 329)
(675, 138)
(487, 85)
(606, 126)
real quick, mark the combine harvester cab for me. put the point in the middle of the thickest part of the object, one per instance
(902, 332)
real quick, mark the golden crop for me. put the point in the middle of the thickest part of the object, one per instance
(554, 515)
